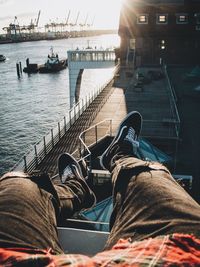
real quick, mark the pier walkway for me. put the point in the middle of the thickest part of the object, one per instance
(153, 98)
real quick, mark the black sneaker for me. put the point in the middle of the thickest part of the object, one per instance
(129, 131)
(69, 168)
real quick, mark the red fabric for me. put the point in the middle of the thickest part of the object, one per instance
(173, 250)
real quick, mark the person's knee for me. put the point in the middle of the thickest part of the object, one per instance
(14, 174)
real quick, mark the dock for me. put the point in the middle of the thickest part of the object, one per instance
(155, 102)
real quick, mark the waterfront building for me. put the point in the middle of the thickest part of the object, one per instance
(160, 30)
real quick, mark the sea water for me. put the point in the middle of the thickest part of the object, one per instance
(34, 103)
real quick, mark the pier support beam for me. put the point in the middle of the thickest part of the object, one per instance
(73, 75)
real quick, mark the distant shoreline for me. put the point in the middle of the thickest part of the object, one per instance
(52, 36)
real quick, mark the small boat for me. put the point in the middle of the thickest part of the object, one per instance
(53, 64)
(2, 58)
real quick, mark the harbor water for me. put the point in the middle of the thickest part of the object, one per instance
(32, 105)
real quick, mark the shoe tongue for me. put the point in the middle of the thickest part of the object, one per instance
(131, 137)
(67, 173)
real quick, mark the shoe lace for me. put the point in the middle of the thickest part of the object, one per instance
(131, 135)
(132, 138)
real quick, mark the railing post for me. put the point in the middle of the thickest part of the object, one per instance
(25, 164)
(96, 133)
(36, 156)
(59, 130)
(52, 141)
(74, 113)
(80, 146)
(82, 105)
(94, 94)
(45, 148)
(79, 112)
(70, 118)
(90, 164)
(84, 143)
(65, 125)
(110, 127)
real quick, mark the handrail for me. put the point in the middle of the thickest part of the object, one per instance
(86, 147)
(174, 99)
(33, 158)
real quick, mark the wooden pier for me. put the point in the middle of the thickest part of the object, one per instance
(153, 98)
(154, 102)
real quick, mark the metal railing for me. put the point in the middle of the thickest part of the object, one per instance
(91, 55)
(32, 159)
(173, 100)
(91, 137)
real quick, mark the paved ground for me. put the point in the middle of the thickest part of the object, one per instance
(153, 102)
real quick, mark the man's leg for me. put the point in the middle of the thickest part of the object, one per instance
(73, 192)
(31, 205)
(27, 213)
(147, 200)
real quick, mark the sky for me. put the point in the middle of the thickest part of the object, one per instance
(103, 13)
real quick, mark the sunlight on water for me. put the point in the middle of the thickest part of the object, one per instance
(32, 105)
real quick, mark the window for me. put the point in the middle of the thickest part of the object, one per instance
(162, 19)
(142, 19)
(132, 44)
(181, 18)
(197, 17)
(162, 44)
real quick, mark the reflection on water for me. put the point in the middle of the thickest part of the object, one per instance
(32, 105)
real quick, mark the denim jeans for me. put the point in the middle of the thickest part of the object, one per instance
(31, 206)
(148, 202)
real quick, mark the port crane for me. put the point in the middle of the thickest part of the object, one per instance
(32, 26)
(15, 29)
(53, 25)
(91, 24)
(67, 20)
(73, 26)
(82, 25)
(75, 23)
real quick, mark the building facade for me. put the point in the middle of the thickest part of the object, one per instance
(157, 31)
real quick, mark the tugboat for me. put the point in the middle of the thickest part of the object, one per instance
(2, 58)
(53, 64)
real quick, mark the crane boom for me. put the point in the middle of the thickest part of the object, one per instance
(68, 17)
(93, 21)
(86, 20)
(77, 18)
(38, 18)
